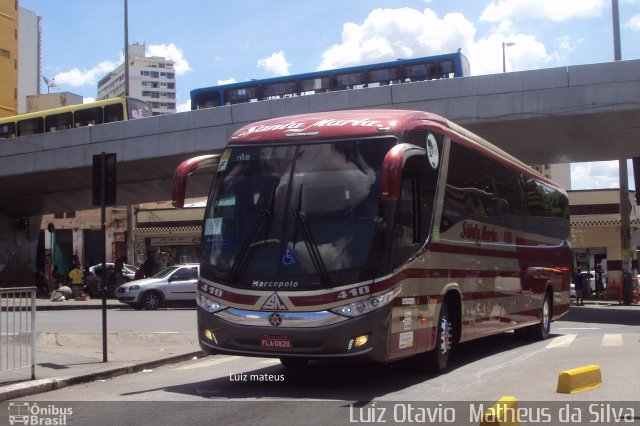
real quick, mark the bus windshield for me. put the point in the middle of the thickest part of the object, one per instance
(298, 216)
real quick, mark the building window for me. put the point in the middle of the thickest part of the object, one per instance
(5, 53)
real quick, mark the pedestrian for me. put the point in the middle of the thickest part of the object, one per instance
(75, 279)
(118, 271)
(578, 282)
(149, 265)
(600, 282)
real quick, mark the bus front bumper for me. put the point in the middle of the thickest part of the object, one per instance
(266, 334)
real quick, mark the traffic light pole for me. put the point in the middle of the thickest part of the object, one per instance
(103, 222)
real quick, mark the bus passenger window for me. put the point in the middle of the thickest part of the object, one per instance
(113, 113)
(56, 122)
(354, 80)
(88, 117)
(30, 127)
(315, 85)
(7, 130)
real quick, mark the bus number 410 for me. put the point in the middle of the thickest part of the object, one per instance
(356, 291)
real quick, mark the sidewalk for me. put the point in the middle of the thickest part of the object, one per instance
(66, 359)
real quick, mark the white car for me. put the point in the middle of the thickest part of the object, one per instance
(176, 283)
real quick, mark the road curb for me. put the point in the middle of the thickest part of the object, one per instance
(19, 390)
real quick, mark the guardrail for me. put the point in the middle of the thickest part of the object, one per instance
(18, 329)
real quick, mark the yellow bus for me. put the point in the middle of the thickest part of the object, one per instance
(69, 117)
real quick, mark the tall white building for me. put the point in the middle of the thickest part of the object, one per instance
(560, 173)
(152, 79)
(29, 41)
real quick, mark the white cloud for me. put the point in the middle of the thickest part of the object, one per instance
(88, 100)
(388, 34)
(78, 78)
(276, 64)
(598, 175)
(185, 106)
(227, 81)
(633, 23)
(170, 51)
(554, 10)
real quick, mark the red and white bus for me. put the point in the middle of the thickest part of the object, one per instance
(379, 234)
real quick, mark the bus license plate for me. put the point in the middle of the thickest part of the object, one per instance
(276, 342)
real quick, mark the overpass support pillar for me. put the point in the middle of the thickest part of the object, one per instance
(18, 249)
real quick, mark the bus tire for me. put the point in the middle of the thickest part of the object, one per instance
(438, 358)
(542, 330)
(293, 362)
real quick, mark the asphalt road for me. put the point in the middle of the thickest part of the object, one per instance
(243, 390)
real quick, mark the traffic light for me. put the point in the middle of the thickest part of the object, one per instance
(110, 179)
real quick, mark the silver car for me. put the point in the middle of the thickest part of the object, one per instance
(176, 283)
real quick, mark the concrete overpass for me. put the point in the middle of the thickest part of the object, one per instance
(579, 113)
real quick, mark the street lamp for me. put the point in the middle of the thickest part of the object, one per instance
(505, 44)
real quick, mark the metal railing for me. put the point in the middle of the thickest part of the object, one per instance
(18, 329)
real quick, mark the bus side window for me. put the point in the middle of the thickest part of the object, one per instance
(32, 126)
(7, 130)
(406, 231)
(113, 113)
(88, 117)
(56, 122)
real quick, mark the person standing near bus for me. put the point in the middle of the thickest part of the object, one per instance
(599, 282)
(578, 282)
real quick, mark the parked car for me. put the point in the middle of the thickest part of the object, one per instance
(93, 280)
(176, 283)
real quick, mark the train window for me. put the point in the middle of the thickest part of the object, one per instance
(30, 127)
(88, 117)
(279, 89)
(353, 80)
(113, 113)
(7, 130)
(384, 76)
(247, 94)
(58, 122)
(315, 85)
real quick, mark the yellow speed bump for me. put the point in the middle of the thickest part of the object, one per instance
(502, 413)
(579, 379)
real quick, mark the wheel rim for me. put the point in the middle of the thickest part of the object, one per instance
(545, 314)
(151, 301)
(446, 334)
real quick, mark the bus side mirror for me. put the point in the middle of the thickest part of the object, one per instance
(391, 171)
(184, 170)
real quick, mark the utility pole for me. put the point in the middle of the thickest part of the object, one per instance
(625, 206)
(126, 48)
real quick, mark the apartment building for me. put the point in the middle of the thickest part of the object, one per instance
(151, 78)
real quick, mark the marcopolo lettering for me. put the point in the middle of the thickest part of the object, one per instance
(274, 284)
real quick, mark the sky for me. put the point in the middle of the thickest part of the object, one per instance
(214, 42)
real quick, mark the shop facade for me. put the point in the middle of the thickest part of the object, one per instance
(169, 235)
(596, 234)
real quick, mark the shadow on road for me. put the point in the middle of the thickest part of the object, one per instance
(604, 314)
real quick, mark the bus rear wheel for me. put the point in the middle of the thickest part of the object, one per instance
(542, 330)
(438, 359)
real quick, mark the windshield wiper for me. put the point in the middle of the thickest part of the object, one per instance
(310, 243)
(241, 258)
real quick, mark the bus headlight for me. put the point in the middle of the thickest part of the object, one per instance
(209, 305)
(362, 307)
